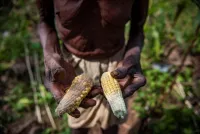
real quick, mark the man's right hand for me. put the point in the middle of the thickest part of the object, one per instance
(59, 76)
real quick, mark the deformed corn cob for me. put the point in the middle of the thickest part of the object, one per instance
(80, 87)
(113, 94)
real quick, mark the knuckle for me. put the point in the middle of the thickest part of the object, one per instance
(129, 60)
(121, 72)
(143, 80)
(129, 91)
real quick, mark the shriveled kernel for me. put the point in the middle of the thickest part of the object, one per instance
(77, 103)
(85, 83)
(84, 92)
(73, 108)
(82, 96)
(78, 99)
(87, 89)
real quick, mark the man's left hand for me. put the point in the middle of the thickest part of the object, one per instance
(129, 75)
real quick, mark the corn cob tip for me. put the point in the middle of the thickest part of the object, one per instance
(120, 114)
(59, 112)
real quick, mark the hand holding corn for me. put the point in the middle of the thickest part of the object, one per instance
(129, 78)
(130, 67)
(78, 90)
(76, 94)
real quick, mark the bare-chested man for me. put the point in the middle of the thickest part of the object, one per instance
(92, 32)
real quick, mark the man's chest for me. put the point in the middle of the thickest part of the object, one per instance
(115, 12)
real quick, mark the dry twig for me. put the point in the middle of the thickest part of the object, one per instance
(33, 87)
(49, 114)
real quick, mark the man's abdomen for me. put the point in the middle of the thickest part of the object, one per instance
(90, 32)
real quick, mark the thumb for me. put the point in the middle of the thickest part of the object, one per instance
(120, 72)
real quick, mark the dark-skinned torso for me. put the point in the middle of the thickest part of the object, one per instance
(92, 28)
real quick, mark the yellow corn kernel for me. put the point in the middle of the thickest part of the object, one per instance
(77, 103)
(84, 92)
(113, 94)
(78, 99)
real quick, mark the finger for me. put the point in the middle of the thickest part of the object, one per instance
(96, 90)
(53, 66)
(125, 81)
(138, 81)
(56, 90)
(76, 113)
(120, 72)
(86, 103)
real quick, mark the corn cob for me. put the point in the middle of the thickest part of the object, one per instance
(113, 94)
(80, 87)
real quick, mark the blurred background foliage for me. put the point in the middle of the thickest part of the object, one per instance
(169, 103)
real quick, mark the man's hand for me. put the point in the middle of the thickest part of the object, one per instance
(59, 75)
(130, 75)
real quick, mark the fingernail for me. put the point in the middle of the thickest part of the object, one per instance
(114, 73)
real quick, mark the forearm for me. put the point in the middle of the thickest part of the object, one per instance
(135, 44)
(136, 35)
(46, 27)
(48, 38)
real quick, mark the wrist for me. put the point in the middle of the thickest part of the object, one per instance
(134, 45)
(135, 51)
(53, 52)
